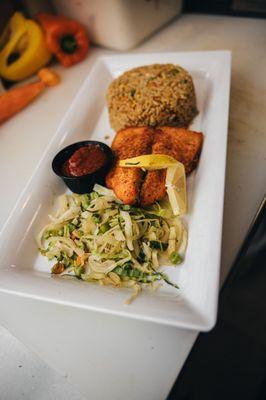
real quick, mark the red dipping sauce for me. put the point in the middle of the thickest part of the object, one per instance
(85, 160)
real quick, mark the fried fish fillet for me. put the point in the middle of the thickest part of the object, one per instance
(126, 182)
(183, 145)
(129, 184)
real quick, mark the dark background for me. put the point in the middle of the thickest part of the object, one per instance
(248, 8)
(229, 362)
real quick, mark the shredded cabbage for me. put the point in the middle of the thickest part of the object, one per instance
(98, 239)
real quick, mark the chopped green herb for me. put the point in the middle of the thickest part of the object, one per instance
(165, 278)
(61, 232)
(93, 195)
(127, 265)
(104, 227)
(132, 163)
(85, 201)
(96, 218)
(47, 235)
(78, 271)
(154, 244)
(175, 258)
(71, 227)
(141, 257)
(118, 270)
(130, 273)
(125, 207)
(173, 71)
(123, 273)
(132, 92)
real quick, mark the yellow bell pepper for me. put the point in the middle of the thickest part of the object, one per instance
(23, 49)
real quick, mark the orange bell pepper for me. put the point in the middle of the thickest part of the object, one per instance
(67, 39)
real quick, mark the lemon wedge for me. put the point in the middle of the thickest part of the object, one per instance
(175, 177)
(149, 161)
(175, 183)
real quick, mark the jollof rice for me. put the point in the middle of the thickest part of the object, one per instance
(152, 95)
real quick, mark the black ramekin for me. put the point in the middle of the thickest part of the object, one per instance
(82, 184)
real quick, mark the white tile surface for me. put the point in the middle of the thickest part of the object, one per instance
(103, 355)
(245, 186)
(24, 376)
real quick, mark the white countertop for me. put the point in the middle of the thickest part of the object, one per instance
(148, 367)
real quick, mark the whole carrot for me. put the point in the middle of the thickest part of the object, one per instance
(16, 99)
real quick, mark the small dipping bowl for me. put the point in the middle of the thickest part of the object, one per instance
(82, 184)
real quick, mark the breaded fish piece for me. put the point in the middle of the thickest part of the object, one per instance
(153, 188)
(183, 145)
(126, 182)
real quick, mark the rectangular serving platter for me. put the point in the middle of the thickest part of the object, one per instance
(23, 272)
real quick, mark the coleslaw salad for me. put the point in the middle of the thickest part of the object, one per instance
(96, 238)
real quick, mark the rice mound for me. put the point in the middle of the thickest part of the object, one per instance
(152, 95)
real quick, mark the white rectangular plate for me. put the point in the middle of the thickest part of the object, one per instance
(23, 272)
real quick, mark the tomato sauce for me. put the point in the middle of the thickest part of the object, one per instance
(84, 161)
